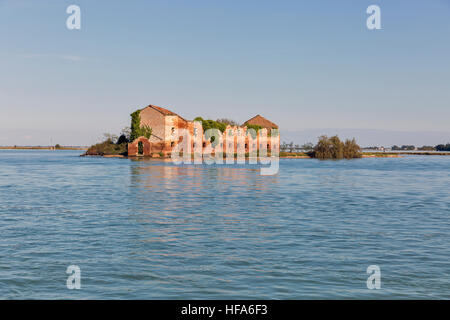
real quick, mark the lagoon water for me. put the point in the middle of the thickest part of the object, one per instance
(150, 230)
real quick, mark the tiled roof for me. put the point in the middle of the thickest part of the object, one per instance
(164, 111)
(261, 121)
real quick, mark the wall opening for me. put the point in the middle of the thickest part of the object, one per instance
(140, 148)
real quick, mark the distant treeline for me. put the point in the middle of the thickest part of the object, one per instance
(439, 147)
(326, 148)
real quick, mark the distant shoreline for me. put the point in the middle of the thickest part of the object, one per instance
(41, 148)
(283, 155)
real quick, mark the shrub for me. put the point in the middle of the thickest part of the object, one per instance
(122, 139)
(427, 148)
(352, 149)
(107, 148)
(443, 147)
(334, 148)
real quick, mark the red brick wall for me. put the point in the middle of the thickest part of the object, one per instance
(133, 148)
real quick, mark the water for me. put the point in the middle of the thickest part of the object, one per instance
(152, 230)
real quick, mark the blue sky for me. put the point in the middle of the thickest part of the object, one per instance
(306, 65)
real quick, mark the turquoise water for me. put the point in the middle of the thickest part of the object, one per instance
(150, 229)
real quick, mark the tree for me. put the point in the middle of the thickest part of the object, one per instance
(110, 137)
(352, 149)
(122, 139)
(137, 130)
(211, 124)
(228, 122)
(324, 148)
(426, 148)
(291, 146)
(338, 147)
(443, 147)
(126, 132)
(307, 146)
(334, 148)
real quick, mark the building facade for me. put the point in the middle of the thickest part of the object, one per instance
(168, 129)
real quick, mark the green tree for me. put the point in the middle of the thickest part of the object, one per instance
(334, 148)
(443, 147)
(136, 130)
(352, 149)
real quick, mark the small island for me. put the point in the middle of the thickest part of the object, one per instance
(153, 129)
(152, 134)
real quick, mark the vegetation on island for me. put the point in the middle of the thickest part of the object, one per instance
(443, 147)
(118, 145)
(426, 148)
(211, 124)
(228, 122)
(404, 148)
(326, 148)
(108, 147)
(216, 126)
(439, 147)
(334, 148)
(296, 148)
(112, 145)
(136, 129)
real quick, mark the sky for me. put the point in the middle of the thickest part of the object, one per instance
(309, 66)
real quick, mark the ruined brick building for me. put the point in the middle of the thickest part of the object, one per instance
(166, 124)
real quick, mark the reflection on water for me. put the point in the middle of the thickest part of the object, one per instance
(151, 229)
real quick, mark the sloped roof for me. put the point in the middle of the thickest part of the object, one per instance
(164, 111)
(261, 121)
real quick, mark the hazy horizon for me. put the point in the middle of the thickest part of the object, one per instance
(303, 65)
(364, 137)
